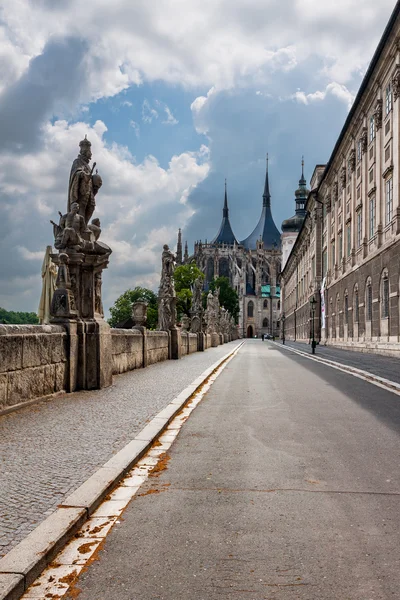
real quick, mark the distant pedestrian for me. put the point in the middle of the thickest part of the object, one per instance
(262, 337)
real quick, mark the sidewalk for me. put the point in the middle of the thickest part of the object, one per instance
(272, 490)
(384, 366)
(49, 449)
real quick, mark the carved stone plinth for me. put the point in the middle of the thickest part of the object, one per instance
(201, 341)
(175, 343)
(215, 340)
(89, 334)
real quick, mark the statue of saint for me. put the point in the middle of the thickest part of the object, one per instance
(69, 232)
(83, 185)
(197, 292)
(167, 287)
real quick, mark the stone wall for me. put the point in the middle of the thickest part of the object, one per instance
(157, 346)
(189, 343)
(127, 350)
(33, 362)
(37, 360)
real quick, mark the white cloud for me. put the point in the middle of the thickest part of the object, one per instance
(136, 128)
(141, 205)
(148, 113)
(197, 44)
(170, 119)
(335, 89)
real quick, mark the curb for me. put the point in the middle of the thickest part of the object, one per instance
(386, 384)
(22, 565)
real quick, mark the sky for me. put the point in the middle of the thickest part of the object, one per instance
(175, 96)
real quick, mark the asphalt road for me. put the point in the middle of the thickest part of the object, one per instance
(283, 484)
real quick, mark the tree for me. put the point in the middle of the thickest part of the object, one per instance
(186, 275)
(184, 278)
(228, 297)
(10, 317)
(122, 309)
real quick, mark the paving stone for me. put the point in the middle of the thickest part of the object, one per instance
(49, 449)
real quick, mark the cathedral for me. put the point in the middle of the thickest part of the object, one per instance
(252, 265)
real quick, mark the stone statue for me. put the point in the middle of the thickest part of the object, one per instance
(63, 302)
(166, 292)
(69, 232)
(83, 185)
(185, 323)
(98, 304)
(196, 311)
(197, 293)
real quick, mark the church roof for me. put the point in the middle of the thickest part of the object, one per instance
(265, 230)
(225, 234)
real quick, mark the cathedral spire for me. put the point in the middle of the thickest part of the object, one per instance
(265, 230)
(225, 234)
(179, 248)
(186, 255)
(225, 212)
(266, 194)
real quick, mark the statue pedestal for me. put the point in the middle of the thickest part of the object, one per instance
(176, 343)
(90, 345)
(215, 339)
(201, 341)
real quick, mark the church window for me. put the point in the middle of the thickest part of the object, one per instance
(265, 303)
(265, 322)
(356, 306)
(250, 309)
(385, 296)
(369, 301)
(346, 308)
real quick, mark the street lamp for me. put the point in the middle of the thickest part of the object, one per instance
(283, 328)
(313, 302)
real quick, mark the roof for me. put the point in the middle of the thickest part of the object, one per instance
(265, 230)
(225, 234)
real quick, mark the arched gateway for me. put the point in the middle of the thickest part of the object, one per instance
(250, 333)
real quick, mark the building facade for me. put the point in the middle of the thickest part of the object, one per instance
(353, 222)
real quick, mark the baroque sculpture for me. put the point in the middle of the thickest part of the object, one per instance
(166, 293)
(78, 239)
(197, 306)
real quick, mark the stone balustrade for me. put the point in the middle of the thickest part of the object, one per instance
(37, 360)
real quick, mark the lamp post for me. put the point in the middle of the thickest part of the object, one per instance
(283, 328)
(313, 302)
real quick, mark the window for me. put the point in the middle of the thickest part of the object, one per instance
(388, 99)
(389, 200)
(385, 297)
(333, 255)
(371, 175)
(250, 309)
(356, 307)
(369, 301)
(340, 239)
(265, 322)
(387, 152)
(372, 128)
(359, 151)
(265, 303)
(346, 309)
(359, 228)
(348, 239)
(371, 217)
(324, 263)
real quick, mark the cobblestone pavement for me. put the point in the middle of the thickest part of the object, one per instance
(49, 449)
(383, 366)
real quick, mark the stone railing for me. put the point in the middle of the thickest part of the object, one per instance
(39, 360)
(33, 362)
